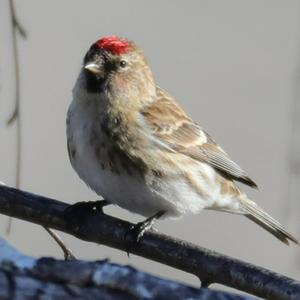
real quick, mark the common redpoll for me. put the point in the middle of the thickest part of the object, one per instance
(134, 145)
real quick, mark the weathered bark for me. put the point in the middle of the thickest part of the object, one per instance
(209, 266)
(22, 277)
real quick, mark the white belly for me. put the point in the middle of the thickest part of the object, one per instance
(134, 194)
(121, 189)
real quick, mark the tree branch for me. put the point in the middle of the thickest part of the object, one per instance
(47, 278)
(209, 266)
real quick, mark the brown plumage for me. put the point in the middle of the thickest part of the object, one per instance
(132, 143)
(170, 124)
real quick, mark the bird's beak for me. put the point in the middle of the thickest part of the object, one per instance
(93, 68)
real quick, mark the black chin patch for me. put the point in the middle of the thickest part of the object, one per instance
(93, 84)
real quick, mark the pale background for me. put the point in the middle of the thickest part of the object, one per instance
(233, 65)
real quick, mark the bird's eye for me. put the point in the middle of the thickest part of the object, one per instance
(123, 63)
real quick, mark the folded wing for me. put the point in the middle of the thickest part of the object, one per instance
(173, 128)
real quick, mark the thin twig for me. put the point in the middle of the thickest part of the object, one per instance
(67, 251)
(16, 118)
(209, 266)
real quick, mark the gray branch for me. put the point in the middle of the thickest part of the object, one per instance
(23, 277)
(208, 266)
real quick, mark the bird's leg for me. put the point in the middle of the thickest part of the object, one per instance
(138, 230)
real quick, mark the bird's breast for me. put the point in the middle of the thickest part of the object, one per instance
(95, 146)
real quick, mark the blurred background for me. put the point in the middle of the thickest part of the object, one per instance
(233, 65)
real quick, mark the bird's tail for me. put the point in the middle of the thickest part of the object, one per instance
(257, 215)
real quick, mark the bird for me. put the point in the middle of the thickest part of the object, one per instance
(134, 145)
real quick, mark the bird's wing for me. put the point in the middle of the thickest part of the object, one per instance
(174, 129)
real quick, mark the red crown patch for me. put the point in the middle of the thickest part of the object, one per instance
(113, 44)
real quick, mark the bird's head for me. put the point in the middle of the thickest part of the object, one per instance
(118, 65)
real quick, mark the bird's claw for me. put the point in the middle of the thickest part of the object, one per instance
(80, 210)
(87, 206)
(134, 235)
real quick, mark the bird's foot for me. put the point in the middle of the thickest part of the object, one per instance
(80, 210)
(87, 206)
(134, 235)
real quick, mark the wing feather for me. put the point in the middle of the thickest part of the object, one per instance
(174, 129)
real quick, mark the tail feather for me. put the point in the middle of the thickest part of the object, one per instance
(261, 218)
